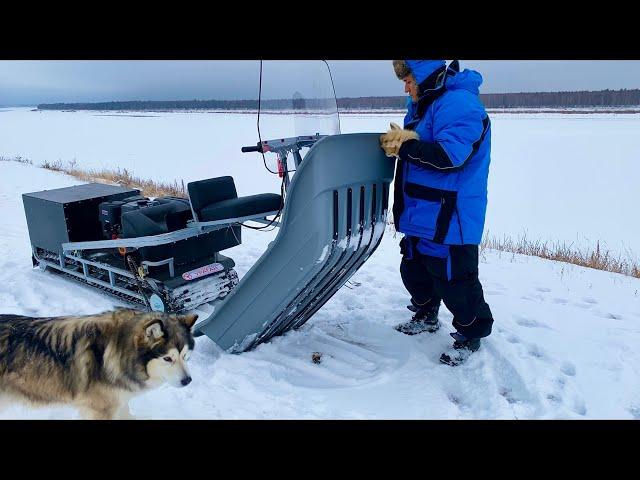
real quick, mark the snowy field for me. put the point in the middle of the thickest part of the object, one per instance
(566, 342)
(569, 178)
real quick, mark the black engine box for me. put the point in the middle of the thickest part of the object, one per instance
(110, 217)
(111, 213)
(137, 204)
(69, 214)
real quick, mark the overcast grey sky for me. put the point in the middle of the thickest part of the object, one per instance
(32, 82)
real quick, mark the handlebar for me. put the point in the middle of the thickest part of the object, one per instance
(252, 148)
(283, 145)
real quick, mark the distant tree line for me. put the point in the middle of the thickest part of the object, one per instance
(282, 104)
(602, 98)
(608, 98)
(277, 104)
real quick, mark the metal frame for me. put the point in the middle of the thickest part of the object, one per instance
(169, 261)
(83, 274)
(111, 271)
(194, 229)
(73, 251)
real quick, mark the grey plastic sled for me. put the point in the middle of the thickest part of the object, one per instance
(333, 220)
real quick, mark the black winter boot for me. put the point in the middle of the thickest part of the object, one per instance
(461, 350)
(424, 320)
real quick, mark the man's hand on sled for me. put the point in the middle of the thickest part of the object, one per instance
(394, 138)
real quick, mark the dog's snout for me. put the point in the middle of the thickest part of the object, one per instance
(186, 381)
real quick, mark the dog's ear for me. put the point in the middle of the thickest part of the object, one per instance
(151, 333)
(154, 330)
(187, 320)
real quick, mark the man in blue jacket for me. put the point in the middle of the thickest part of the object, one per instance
(440, 199)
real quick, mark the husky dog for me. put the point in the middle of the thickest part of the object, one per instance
(95, 363)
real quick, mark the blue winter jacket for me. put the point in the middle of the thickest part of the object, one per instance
(443, 176)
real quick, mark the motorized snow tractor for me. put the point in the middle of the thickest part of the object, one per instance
(164, 254)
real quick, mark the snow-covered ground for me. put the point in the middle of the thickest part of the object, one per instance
(566, 341)
(569, 178)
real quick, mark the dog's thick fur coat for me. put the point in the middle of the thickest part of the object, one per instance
(95, 363)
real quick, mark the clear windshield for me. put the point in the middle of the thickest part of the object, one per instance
(297, 99)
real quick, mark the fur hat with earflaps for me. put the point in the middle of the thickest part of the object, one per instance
(420, 69)
(401, 68)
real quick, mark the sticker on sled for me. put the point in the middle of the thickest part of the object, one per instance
(203, 271)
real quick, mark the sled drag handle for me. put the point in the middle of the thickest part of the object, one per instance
(253, 148)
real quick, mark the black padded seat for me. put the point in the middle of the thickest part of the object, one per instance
(171, 215)
(241, 207)
(216, 199)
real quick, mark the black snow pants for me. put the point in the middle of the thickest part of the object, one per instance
(452, 279)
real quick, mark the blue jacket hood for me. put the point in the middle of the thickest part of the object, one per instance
(421, 69)
(467, 80)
